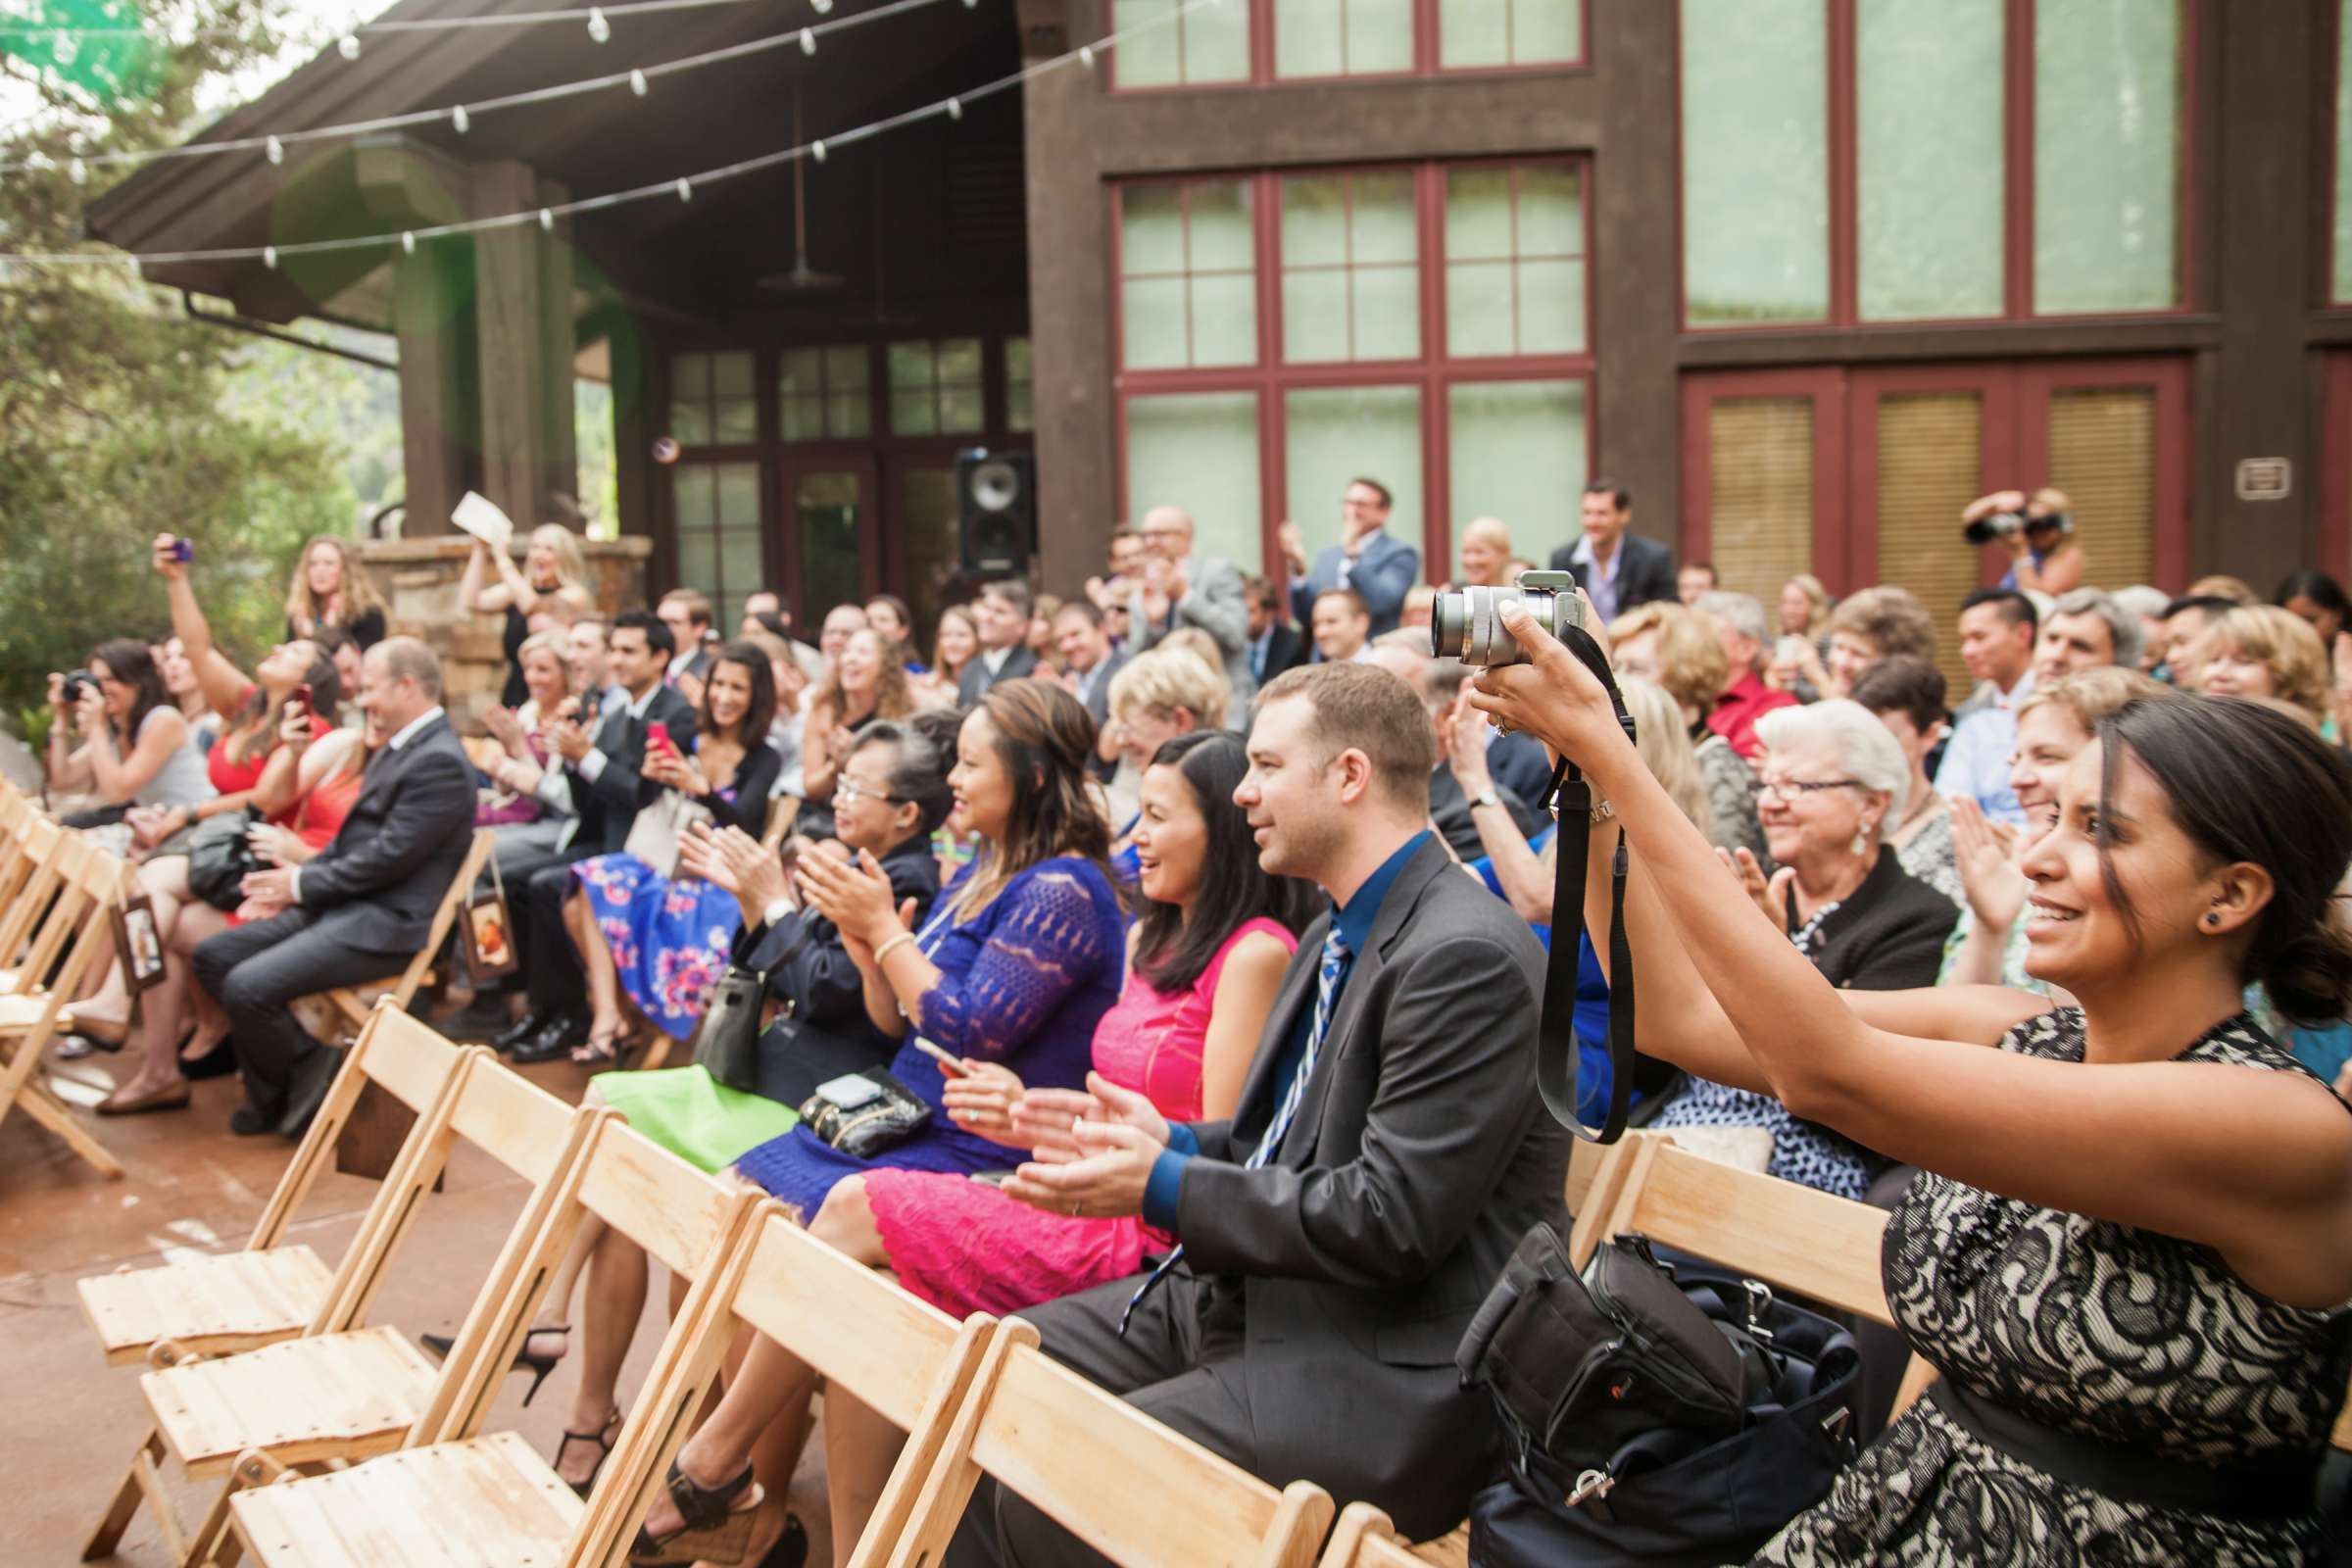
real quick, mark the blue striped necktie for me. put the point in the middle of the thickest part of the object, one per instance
(1327, 993)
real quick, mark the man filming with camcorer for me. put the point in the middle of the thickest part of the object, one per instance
(2037, 533)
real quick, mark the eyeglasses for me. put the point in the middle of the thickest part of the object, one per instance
(846, 791)
(1787, 788)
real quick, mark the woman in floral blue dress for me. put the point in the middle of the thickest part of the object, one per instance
(665, 942)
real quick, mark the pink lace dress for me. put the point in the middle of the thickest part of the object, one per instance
(965, 1246)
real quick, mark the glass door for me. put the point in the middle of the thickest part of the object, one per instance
(831, 522)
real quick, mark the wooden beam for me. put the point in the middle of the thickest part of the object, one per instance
(435, 427)
(522, 279)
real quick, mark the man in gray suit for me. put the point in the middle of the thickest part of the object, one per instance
(1177, 588)
(1335, 1242)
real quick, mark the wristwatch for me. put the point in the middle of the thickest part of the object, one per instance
(1485, 797)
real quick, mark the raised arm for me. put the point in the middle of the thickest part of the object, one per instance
(223, 684)
(2257, 1165)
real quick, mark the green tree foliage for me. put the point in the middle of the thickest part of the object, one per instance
(117, 419)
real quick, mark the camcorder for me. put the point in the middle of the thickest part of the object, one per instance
(1998, 526)
(1466, 623)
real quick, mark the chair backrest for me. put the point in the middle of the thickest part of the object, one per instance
(1119, 1481)
(1794, 1237)
(445, 915)
(1365, 1537)
(38, 870)
(64, 908)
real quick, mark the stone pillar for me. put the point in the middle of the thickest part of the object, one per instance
(434, 429)
(522, 309)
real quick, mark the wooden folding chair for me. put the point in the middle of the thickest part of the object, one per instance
(348, 1391)
(1365, 1537)
(46, 857)
(36, 1012)
(1119, 1481)
(242, 1300)
(355, 1001)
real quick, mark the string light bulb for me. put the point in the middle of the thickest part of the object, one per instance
(269, 257)
(598, 28)
(77, 170)
(685, 190)
(459, 121)
(637, 82)
(275, 149)
(955, 109)
(408, 241)
(547, 221)
(824, 8)
(348, 46)
(1086, 55)
(817, 149)
(807, 41)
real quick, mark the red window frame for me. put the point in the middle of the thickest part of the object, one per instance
(1432, 373)
(1428, 50)
(1842, 117)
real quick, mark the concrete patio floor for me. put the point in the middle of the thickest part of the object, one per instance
(71, 1422)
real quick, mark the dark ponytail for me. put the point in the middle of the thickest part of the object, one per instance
(2248, 783)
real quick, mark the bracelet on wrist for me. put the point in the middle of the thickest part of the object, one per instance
(892, 946)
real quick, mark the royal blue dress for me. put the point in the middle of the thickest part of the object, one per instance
(1023, 982)
(668, 939)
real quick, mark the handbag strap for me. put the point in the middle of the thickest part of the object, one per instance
(1556, 1046)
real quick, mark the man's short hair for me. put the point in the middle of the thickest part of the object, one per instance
(1364, 707)
(1261, 591)
(1083, 608)
(1707, 567)
(1011, 591)
(2212, 603)
(602, 622)
(2123, 629)
(1912, 687)
(409, 659)
(2142, 600)
(1890, 618)
(2016, 608)
(1739, 612)
(1386, 500)
(657, 633)
(698, 607)
(1619, 496)
(1356, 601)
(1122, 532)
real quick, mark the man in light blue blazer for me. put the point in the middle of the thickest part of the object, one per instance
(1381, 569)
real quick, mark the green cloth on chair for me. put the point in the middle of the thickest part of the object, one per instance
(694, 1115)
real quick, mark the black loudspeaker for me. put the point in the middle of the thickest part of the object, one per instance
(995, 509)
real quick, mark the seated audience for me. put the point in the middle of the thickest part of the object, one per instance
(1485, 554)
(344, 652)
(1158, 695)
(1835, 784)
(2220, 585)
(1742, 697)
(865, 683)
(1420, 604)
(1804, 607)
(1205, 960)
(956, 644)
(637, 930)
(1180, 589)
(1377, 564)
(187, 693)
(1437, 682)
(1275, 645)
(1018, 965)
(1001, 616)
(2263, 650)
(688, 616)
(1341, 625)
(2315, 597)
(1906, 694)
(510, 806)
(1999, 628)
(549, 589)
(2185, 622)
(1695, 581)
(134, 745)
(1089, 664)
(893, 792)
(2091, 1199)
(1867, 626)
(887, 615)
(2148, 604)
(357, 911)
(1686, 653)
(2082, 630)
(331, 589)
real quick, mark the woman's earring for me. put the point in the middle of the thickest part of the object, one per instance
(2212, 919)
(1861, 842)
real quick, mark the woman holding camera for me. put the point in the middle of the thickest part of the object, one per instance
(134, 745)
(2133, 1227)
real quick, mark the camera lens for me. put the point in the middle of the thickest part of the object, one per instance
(1450, 624)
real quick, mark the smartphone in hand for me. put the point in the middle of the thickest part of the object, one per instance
(948, 1063)
(656, 736)
(183, 549)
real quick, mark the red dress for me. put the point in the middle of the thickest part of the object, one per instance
(966, 1248)
(318, 816)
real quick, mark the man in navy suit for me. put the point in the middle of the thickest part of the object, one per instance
(1616, 568)
(1380, 569)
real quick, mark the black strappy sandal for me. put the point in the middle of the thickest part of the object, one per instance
(716, 1523)
(603, 1437)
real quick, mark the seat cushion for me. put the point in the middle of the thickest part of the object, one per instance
(486, 1502)
(212, 1305)
(334, 1395)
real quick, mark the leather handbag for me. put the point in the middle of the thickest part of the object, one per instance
(726, 1039)
(893, 1115)
(220, 859)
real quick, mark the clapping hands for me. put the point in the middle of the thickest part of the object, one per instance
(1092, 1152)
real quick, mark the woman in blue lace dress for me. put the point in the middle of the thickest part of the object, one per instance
(664, 941)
(2130, 1245)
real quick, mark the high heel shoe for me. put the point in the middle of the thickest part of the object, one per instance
(715, 1522)
(539, 1366)
(603, 1436)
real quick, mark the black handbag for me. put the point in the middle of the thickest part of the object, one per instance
(220, 859)
(726, 1039)
(882, 1122)
(1630, 1438)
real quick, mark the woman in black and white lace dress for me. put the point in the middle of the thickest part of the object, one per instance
(2131, 1241)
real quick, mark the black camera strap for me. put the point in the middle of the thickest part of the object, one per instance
(1557, 1048)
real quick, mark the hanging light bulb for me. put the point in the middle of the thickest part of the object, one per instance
(807, 41)
(348, 46)
(275, 149)
(78, 172)
(598, 28)
(459, 121)
(637, 82)
(824, 8)
(269, 257)
(1086, 55)
(955, 109)
(547, 221)
(408, 241)
(685, 190)
(817, 149)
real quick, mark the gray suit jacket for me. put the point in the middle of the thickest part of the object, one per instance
(1421, 1153)
(1212, 600)
(1382, 577)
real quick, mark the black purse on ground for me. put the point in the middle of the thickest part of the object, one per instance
(844, 1114)
(1651, 1415)
(220, 859)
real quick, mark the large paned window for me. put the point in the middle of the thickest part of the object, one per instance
(1166, 43)
(935, 387)
(1426, 326)
(711, 401)
(719, 551)
(825, 394)
(1870, 161)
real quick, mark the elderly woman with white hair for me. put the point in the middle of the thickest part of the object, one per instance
(1834, 785)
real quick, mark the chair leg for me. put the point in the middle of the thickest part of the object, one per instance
(141, 1480)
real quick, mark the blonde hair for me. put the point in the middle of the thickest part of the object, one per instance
(1167, 678)
(2091, 695)
(2283, 641)
(1891, 620)
(1493, 530)
(1664, 743)
(359, 592)
(571, 563)
(1690, 660)
(1198, 643)
(894, 697)
(2220, 585)
(1817, 594)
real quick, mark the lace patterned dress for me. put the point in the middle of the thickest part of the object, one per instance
(1023, 982)
(2104, 1330)
(966, 1248)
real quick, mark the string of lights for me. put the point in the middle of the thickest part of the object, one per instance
(682, 188)
(461, 117)
(598, 19)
